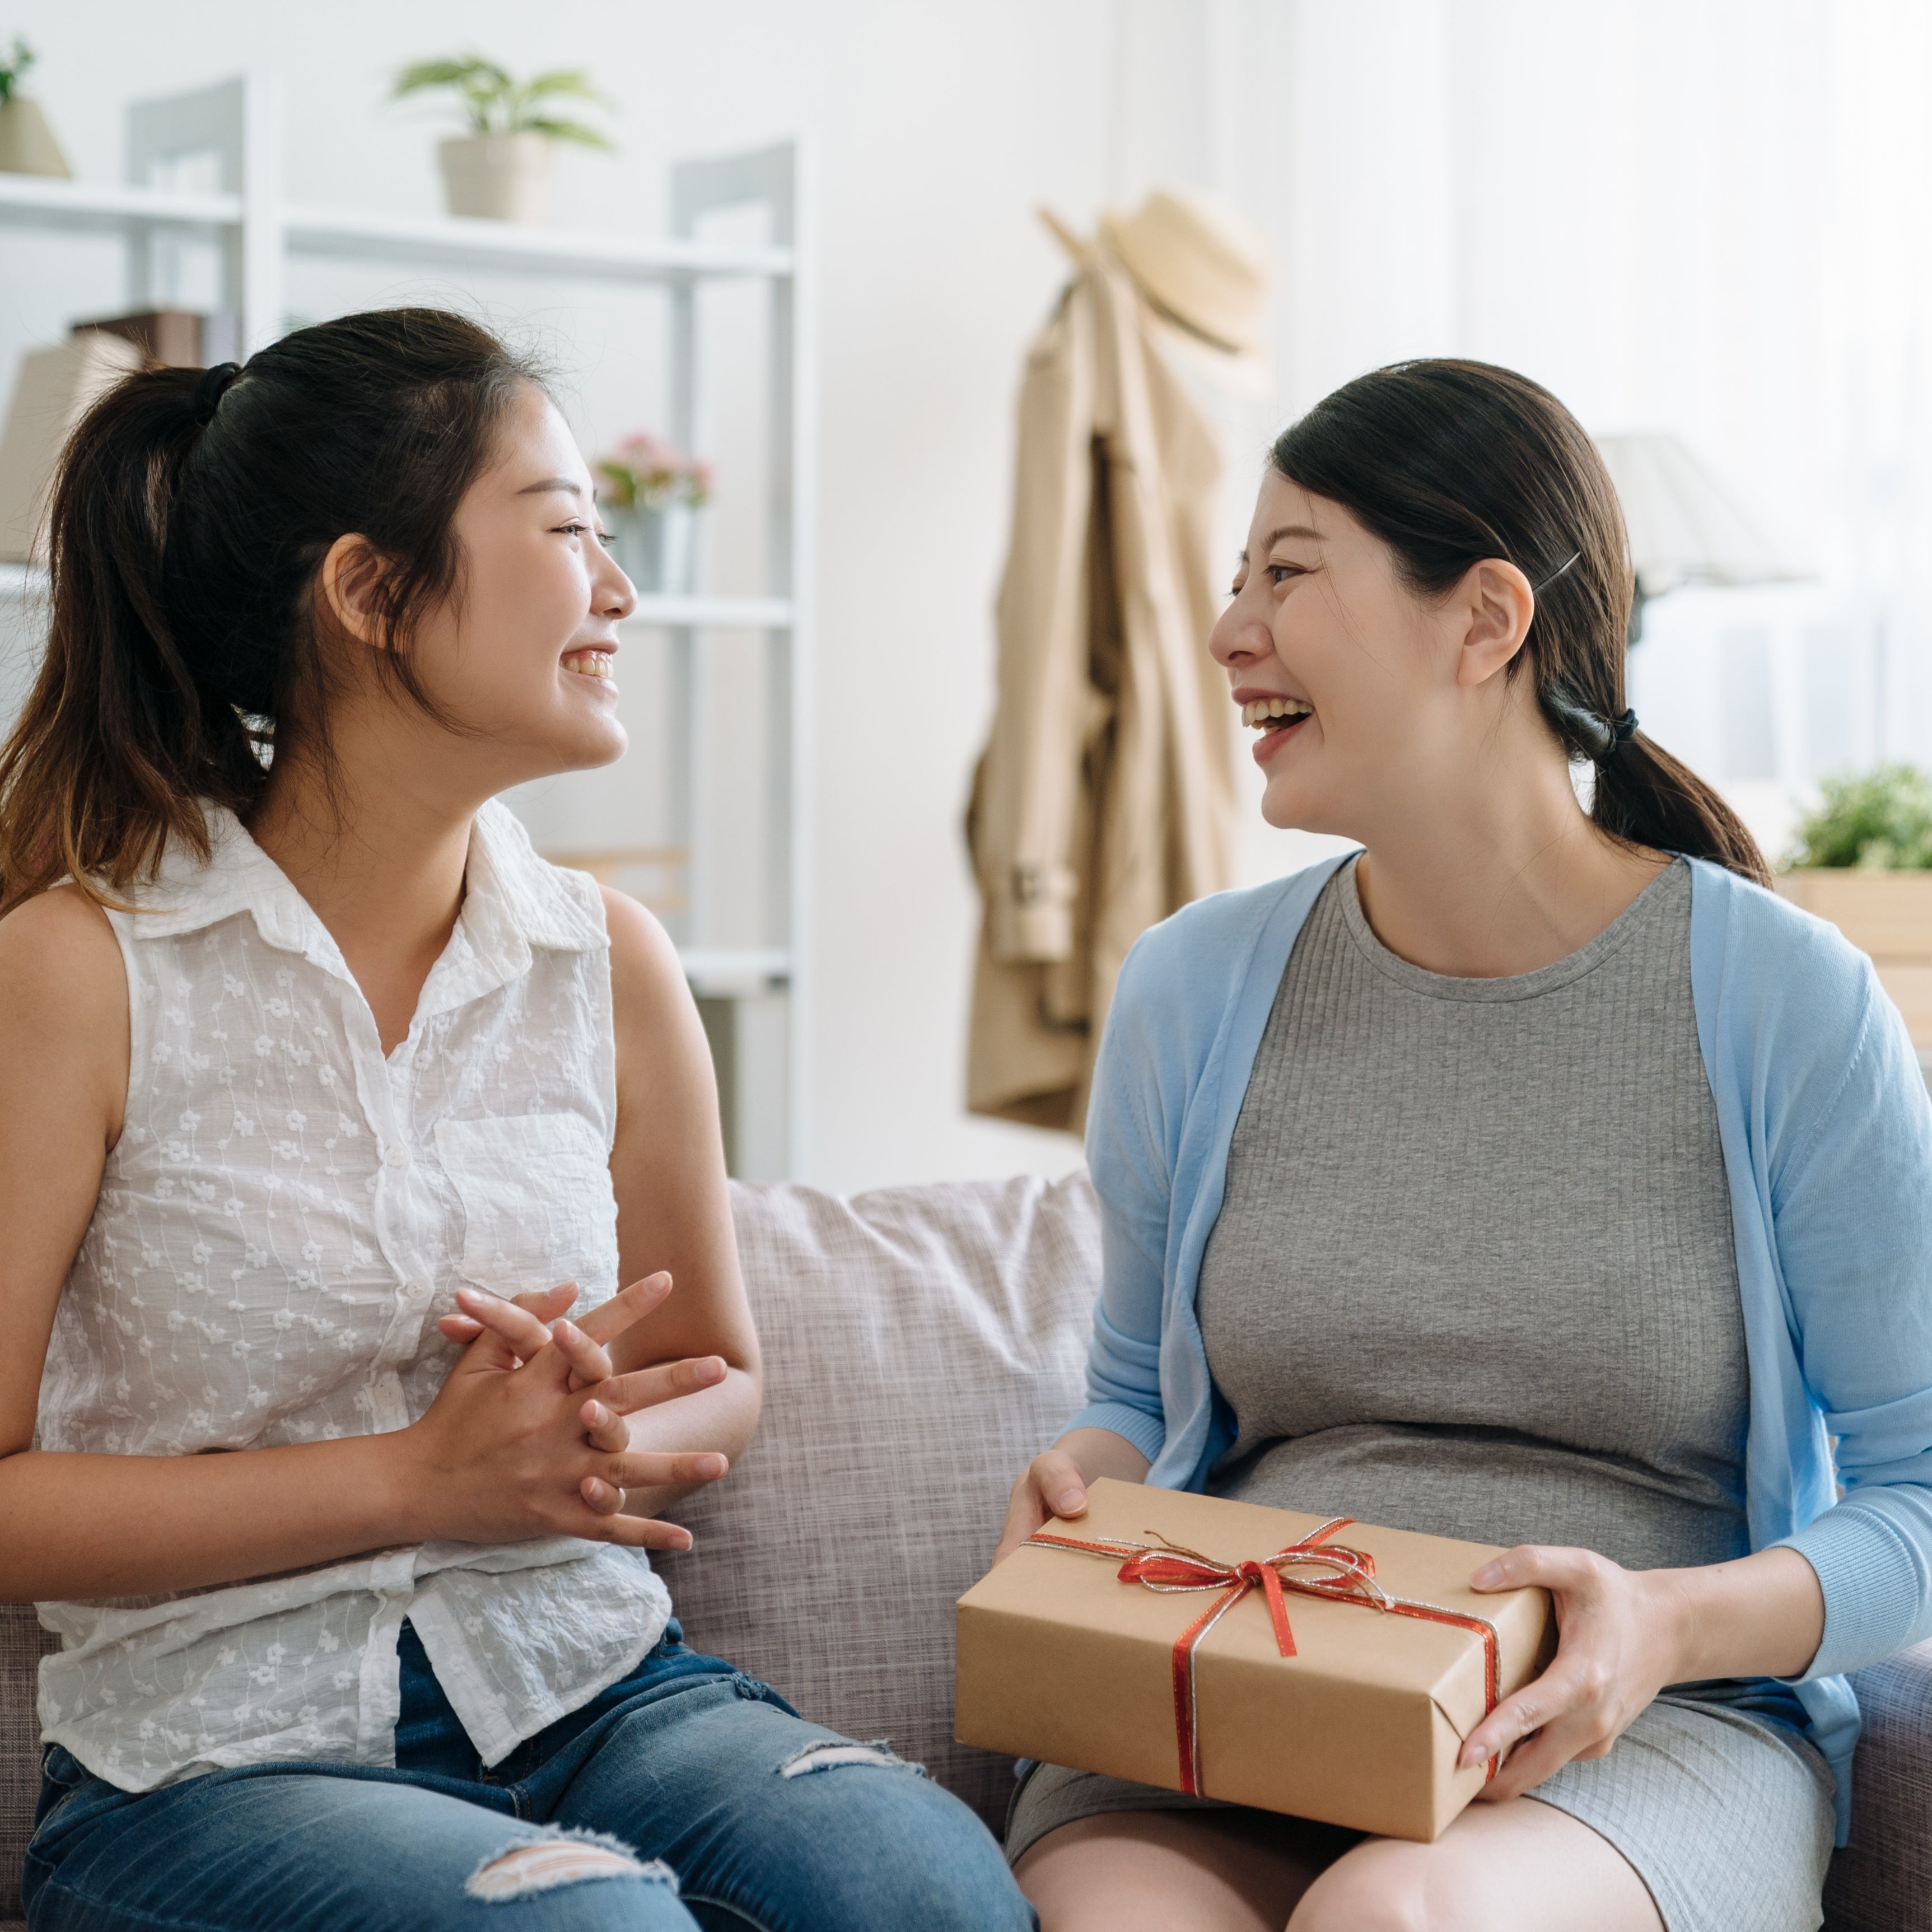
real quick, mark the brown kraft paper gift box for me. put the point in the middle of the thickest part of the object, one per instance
(1059, 1660)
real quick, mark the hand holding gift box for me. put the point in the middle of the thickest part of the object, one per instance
(1306, 1665)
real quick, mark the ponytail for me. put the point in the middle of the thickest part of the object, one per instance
(1450, 462)
(190, 512)
(1644, 796)
(117, 742)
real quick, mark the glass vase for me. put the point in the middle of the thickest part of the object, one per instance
(657, 550)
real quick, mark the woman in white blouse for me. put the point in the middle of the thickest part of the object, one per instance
(324, 1105)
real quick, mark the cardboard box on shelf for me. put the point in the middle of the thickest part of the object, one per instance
(52, 393)
(177, 338)
(1114, 1661)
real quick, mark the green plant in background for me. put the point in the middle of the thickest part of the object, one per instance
(13, 64)
(493, 104)
(1880, 822)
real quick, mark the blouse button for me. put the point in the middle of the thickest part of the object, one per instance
(397, 1156)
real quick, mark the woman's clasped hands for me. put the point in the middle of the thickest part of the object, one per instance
(529, 1435)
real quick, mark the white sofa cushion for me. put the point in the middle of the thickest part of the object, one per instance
(921, 1344)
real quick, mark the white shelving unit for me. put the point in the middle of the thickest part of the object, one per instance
(258, 234)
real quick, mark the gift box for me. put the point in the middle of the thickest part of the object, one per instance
(1312, 1665)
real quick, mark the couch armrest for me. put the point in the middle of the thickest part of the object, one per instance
(1881, 1881)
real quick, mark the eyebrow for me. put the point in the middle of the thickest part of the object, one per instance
(1275, 535)
(564, 483)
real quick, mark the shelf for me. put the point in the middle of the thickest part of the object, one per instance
(507, 247)
(735, 969)
(699, 614)
(417, 241)
(720, 873)
(34, 201)
(747, 613)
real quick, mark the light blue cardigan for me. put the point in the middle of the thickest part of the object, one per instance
(1827, 1134)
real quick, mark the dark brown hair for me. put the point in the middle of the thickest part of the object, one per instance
(1450, 462)
(189, 515)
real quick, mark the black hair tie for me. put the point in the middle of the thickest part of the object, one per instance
(1580, 726)
(210, 390)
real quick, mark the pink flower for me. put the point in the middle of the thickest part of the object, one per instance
(644, 471)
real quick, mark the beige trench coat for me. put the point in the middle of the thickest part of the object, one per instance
(1105, 799)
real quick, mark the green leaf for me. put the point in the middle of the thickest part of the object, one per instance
(463, 73)
(482, 85)
(494, 103)
(571, 80)
(623, 485)
(14, 66)
(564, 130)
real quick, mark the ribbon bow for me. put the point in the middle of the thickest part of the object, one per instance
(1349, 1578)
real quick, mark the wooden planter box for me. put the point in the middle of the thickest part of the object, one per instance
(1887, 914)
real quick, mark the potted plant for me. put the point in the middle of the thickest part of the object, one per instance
(27, 143)
(1863, 860)
(500, 170)
(651, 492)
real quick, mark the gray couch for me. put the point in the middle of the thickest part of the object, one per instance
(920, 1343)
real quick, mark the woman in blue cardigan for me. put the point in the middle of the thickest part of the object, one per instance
(1531, 1176)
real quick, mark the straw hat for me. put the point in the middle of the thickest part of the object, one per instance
(1201, 262)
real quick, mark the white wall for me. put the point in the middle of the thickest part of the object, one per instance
(938, 131)
(1699, 215)
(1704, 217)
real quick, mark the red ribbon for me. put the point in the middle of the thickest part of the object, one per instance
(1350, 1579)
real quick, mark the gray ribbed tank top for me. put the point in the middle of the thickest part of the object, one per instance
(1474, 1271)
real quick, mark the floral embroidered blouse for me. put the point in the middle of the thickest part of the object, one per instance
(287, 1214)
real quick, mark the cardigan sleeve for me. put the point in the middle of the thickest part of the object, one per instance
(1852, 1202)
(1131, 1171)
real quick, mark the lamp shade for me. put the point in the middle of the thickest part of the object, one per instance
(1687, 525)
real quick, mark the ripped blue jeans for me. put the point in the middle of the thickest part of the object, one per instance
(686, 1795)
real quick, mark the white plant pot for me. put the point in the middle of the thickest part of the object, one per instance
(27, 143)
(499, 177)
(657, 550)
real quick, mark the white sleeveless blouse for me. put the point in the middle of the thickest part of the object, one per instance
(285, 1216)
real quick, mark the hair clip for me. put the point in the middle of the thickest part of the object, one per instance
(1557, 572)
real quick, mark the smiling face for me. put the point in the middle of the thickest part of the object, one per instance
(1356, 687)
(523, 658)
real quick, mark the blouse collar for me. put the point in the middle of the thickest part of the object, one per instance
(513, 902)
